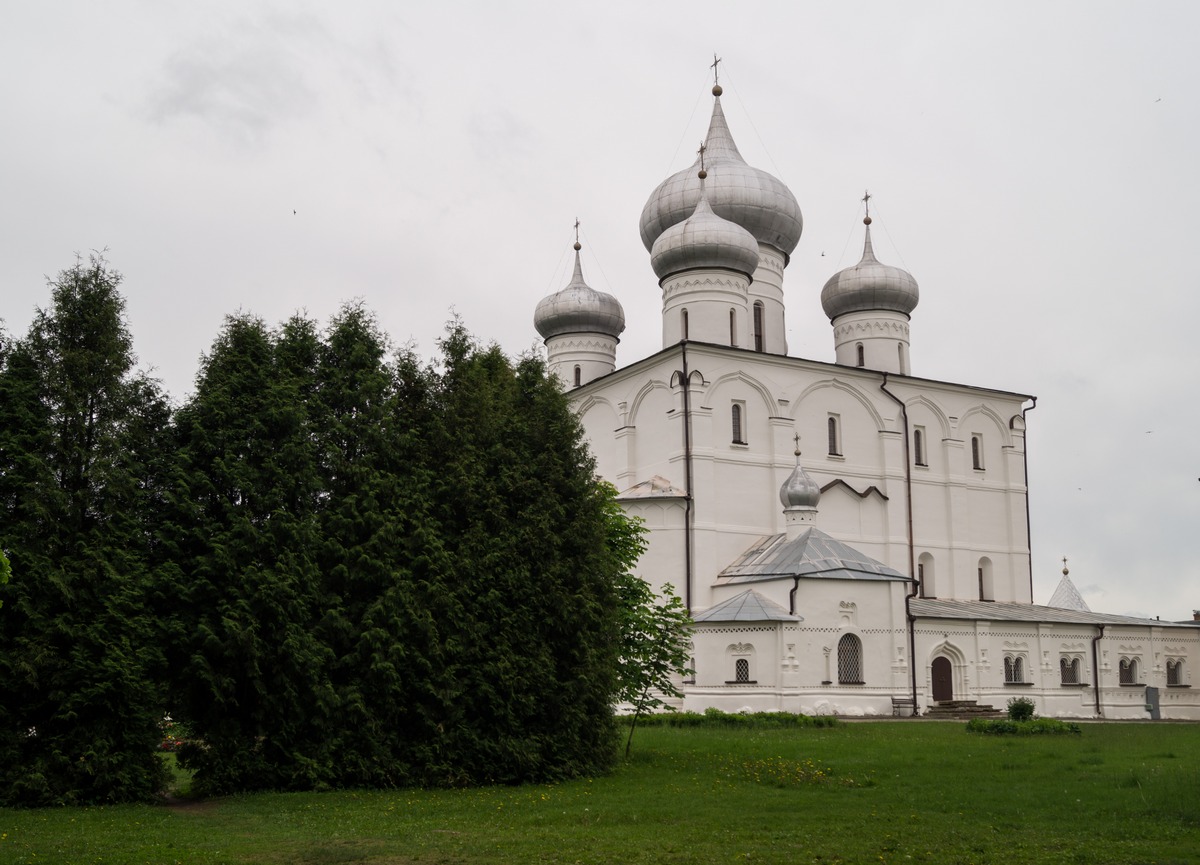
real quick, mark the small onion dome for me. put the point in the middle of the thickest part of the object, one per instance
(754, 199)
(579, 308)
(704, 240)
(799, 490)
(869, 285)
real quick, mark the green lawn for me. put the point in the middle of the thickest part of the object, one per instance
(860, 792)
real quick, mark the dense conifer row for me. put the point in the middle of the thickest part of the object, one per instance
(339, 565)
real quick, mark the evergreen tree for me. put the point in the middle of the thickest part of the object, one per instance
(80, 447)
(249, 673)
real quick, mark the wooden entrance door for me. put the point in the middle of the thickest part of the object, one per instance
(943, 681)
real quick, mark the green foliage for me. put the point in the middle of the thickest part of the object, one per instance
(81, 444)
(1020, 709)
(1032, 727)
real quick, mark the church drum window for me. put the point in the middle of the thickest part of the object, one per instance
(1127, 672)
(578, 376)
(758, 326)
(733, 327)
(860, 355)
(683, 323)
(850, 667)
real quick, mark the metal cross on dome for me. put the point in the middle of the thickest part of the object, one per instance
(716, 72)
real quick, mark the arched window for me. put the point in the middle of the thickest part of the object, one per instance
(1068, 669)
(850, 667)
(741, 670)
(1128, 671)
(919, 446)
(987, 589)
(977, 452)
(903, 364)
(1174, 671)
(835, 436)
(1014, 669)
(578, 376)
(861, 354)
(758, 326)
(735, 414)
(732, 327)
(683, 323)
(925, 575)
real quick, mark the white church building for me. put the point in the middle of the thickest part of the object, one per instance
(849, 538)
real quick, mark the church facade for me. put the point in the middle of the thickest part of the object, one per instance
(850, 538)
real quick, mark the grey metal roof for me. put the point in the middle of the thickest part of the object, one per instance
(749, 606)
(657, 487)
(704, 240)
(1004, 612)
(1067, 597)
(813, 555)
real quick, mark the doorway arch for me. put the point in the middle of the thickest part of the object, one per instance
(941, 672)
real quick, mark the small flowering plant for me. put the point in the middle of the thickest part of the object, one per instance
(173, 734)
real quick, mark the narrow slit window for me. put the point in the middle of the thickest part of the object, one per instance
(758, 326)
(683, 323)
(977, 452)
(919, 446)
(733, 327)
(861, 354)
(835, 436)
(735, 415)
(578, 376)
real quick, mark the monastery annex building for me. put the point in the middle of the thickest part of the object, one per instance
(850, 538)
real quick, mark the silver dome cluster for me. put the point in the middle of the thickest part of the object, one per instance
(579, 308)
(869, 285)
(754, 199)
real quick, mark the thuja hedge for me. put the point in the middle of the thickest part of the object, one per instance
(337, 564)
(1035, 727)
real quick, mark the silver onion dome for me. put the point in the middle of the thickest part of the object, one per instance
(579, 308)
(869, 285)
(704, 240)
(799, 490)
(752, 198)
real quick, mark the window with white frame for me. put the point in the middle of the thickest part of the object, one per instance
(1069, 670)
(850, 660)
(833, 427)
(927, 576)
(741, 670)
(1174, 672)
(1127, 671)
(1014, 669)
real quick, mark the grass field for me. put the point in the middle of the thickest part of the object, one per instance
(877, 792)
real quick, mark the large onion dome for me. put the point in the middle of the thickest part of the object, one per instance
(579, 308)
(704, 241)
(869, 285)
(752, 198)
(799, 490)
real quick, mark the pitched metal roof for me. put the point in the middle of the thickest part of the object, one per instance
(1003, 612)
(813, 555)
(1067, 597)
(749, 606)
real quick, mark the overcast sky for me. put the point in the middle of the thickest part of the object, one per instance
(1034, 165)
